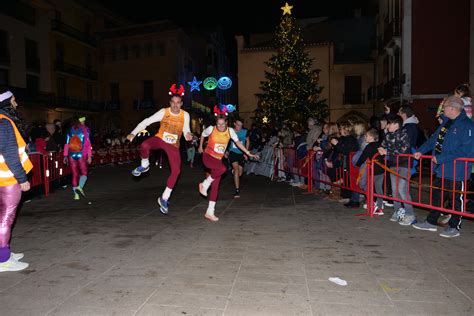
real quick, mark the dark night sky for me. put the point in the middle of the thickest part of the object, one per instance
(235, 16)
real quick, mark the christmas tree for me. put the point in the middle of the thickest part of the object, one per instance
(291, 89)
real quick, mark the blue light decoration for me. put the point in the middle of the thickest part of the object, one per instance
(194, 84)
(210, 83)
(224, 83)
(230, 108)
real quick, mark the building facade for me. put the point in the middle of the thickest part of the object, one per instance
(138, 63)
(49, 56)
(346, 70)
(418, 59)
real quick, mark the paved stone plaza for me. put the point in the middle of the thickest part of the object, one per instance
(271, 253)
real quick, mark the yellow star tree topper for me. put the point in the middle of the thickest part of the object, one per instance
(287, 9)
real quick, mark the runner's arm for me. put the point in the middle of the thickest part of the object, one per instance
(157, 117)
(186, 126)
(205, 133)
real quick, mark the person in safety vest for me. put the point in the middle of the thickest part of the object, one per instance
(174, 122)
(219, 136)
(78, 153)
(14, 166)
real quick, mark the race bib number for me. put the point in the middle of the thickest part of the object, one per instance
(219, 148)
(170, 138)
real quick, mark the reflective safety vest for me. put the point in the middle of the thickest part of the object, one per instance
(6, 176)
(217, 143)
(171, 127)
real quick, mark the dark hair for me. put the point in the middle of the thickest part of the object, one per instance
(396, 119)
(408, 110)
(7, 109)
(221, 117)
(374, 133)
(464, 90)
(374, 122)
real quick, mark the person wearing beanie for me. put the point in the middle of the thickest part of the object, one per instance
(14, 166)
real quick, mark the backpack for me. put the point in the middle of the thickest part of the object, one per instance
(75, 144)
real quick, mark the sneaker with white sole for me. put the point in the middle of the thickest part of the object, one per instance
(12, 265)
(450, 232)
(388, 203)
(425, 226)
(139, 170)
(397, 215)
(237, 194)
(164, 204)
(17, 256)
(407, 220)
(378, 211)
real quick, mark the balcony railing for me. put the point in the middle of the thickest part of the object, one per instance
(392, 88)
(33, 98)
(71, 31)
(353, 98)
(75, 70)
(375, 93)
(73, 103)
(112, 105)
(144, 104)
(33, 63)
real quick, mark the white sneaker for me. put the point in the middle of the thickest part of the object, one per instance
(17, 256)
(12, 265)
(295, 184)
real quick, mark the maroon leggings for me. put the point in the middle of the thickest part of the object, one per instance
(174, 158)
(78, 169)
(217, 170)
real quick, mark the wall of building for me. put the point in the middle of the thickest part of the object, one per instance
(17, 32)
(251, 70)
(471, 36)
(338, 74)
(75, 52)
(440, 50)
(131, 73)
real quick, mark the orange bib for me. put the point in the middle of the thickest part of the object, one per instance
(171, 127)
(217, 143)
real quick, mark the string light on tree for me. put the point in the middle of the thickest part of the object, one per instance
(265, 120)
